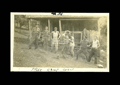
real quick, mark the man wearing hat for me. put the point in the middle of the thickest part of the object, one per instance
(55, 36)
(35, 36)
(66, 36)
(83, 48)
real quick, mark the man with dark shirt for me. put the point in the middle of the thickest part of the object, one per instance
(55, 37)
(35, 36)
(46, 35)
(83, 48)
(66, 42)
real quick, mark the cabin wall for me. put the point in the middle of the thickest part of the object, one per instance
(43, 23)
(79, 25)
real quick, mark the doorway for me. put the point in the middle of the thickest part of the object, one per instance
(54, 23)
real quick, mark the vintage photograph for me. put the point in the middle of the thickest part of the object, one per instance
(60, 40)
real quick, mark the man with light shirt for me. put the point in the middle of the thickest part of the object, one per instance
(83, 48)
(66, 42)
(94, 50)
(55, 37)
(72, 45)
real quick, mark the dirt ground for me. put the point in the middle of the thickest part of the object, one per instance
(24, 57)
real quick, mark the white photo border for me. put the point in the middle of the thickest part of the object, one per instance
(51, 69)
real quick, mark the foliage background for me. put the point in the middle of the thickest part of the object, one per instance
(103, 32)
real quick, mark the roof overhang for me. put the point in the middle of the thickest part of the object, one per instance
(63, 16)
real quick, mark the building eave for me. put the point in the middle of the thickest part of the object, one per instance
(63, 16)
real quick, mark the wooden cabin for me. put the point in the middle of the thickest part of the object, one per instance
(75, 24)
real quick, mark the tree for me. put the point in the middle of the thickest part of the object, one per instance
(20, 19)
(103, 32)
(103, 25)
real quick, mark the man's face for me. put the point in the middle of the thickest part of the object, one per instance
(55, 29)
(46, 28)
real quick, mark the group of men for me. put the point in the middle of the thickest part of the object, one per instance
(68, 39)
(89, 49)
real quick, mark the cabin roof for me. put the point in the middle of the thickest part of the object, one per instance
(63, 16)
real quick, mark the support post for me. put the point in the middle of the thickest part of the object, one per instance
(60, 26)
(30, 31)
(49, 24)
(98, 29)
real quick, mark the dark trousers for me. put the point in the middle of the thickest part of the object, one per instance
(93, 53)
(65, 48)
(45, 43)
(84, 51)
(34, 41)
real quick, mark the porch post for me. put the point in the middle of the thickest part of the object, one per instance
(98, 29)
(60, 26)
(49, 24)
(30, 31)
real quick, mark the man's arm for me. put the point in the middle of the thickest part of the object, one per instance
(39, 35)
(59, 35)
(39, 31)
(80, 44)
(90, 44)
(51, 34)
(98, 43)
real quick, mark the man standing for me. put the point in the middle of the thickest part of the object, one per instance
(66, 42)
(94, 50)
(46, 35)
(35, 36)
(72, 45)
(55, 37)
(83, 47)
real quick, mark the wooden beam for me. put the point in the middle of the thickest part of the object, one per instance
(49, 24)
(59, 16)
(60, 26)
(98, 29)
(78, 19)
(30, 31)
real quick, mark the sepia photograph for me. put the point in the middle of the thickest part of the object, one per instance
(59, 42)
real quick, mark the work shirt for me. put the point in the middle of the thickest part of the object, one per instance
(95, 44)
(36, 30)
(84, 43)
(66, 39)
(55, 34)
(72, 41)
(46, 33)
